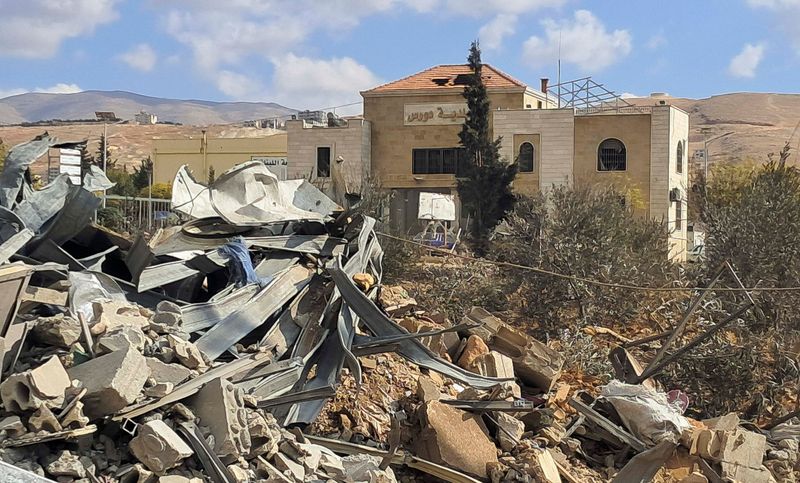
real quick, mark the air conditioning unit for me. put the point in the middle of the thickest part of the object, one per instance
(675, 195)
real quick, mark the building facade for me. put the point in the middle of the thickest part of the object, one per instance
(415, 145)
(203, 153)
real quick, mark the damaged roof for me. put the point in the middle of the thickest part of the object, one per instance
(448, 77)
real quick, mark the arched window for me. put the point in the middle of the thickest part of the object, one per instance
(611, 156)
(679, 166)
(526, 157)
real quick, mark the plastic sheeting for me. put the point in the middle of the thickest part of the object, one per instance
(646, 413)
(240, 264)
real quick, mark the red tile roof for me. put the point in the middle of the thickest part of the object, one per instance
(443, 77)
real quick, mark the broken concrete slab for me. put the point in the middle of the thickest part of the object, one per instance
(535, 364)
(41, 386)
(396, 301)
(162, 372)
(220, 407)
(158, 447)
(112, 381)
(60, 331)
(444, 433)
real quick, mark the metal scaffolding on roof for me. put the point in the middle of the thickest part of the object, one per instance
(588, 97)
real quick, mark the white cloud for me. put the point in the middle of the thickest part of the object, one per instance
(141, 57)
(786, 13)
(745, 63)
(629, 95)
(36, 28)
(60, 88)
(304, 82)
(238, 86)
(584, 40)
(230, 40)
(493, 33)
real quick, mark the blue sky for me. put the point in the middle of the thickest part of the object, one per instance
(320, 53)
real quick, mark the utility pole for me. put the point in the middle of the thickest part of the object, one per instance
(105, 150)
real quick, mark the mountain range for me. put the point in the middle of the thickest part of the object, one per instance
(33, 107)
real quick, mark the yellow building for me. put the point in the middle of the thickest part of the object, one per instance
(203, 153)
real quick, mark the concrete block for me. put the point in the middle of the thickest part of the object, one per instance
(288, 467)
(495, 364)
(113, 314)
(119, 338)
(66, 464)
(220, 407)
(158, 447)
(112, 381)
(162, 372)
(742, 447)
(41, 386)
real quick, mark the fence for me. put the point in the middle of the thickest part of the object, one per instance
(133, 215)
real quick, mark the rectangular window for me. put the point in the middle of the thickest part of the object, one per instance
(324, 162)
(678, 215)
(437, 160)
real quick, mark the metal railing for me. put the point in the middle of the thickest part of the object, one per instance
(134, 215)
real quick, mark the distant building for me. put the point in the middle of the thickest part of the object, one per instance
(203, 152)
(315, 118)
(145, 118)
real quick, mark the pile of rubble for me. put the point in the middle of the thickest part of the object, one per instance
(256, 342)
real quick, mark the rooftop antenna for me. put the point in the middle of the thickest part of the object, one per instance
(559, 69)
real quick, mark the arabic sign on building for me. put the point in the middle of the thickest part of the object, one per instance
(434, 114)
(278, 165)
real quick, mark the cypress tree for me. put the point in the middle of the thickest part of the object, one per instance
(484, 185)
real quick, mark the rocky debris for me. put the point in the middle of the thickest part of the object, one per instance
(535, 363)
(41, 386)
(427, 390)
(364, 467)
(474, 349)
(509, 430)
(236, 368)
(220, 407)
(444, 435)
(59, 330)
(66, 464)
(158, 447)
(186, 352)
(364, 281)
(112, 314)
(119, 338)
(43, 419)
(395, 300)
(112, 381)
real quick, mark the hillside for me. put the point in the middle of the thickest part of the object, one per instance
(758, 123)
(33, 107)
(128, 143)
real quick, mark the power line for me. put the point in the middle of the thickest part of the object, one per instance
(588, 280)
